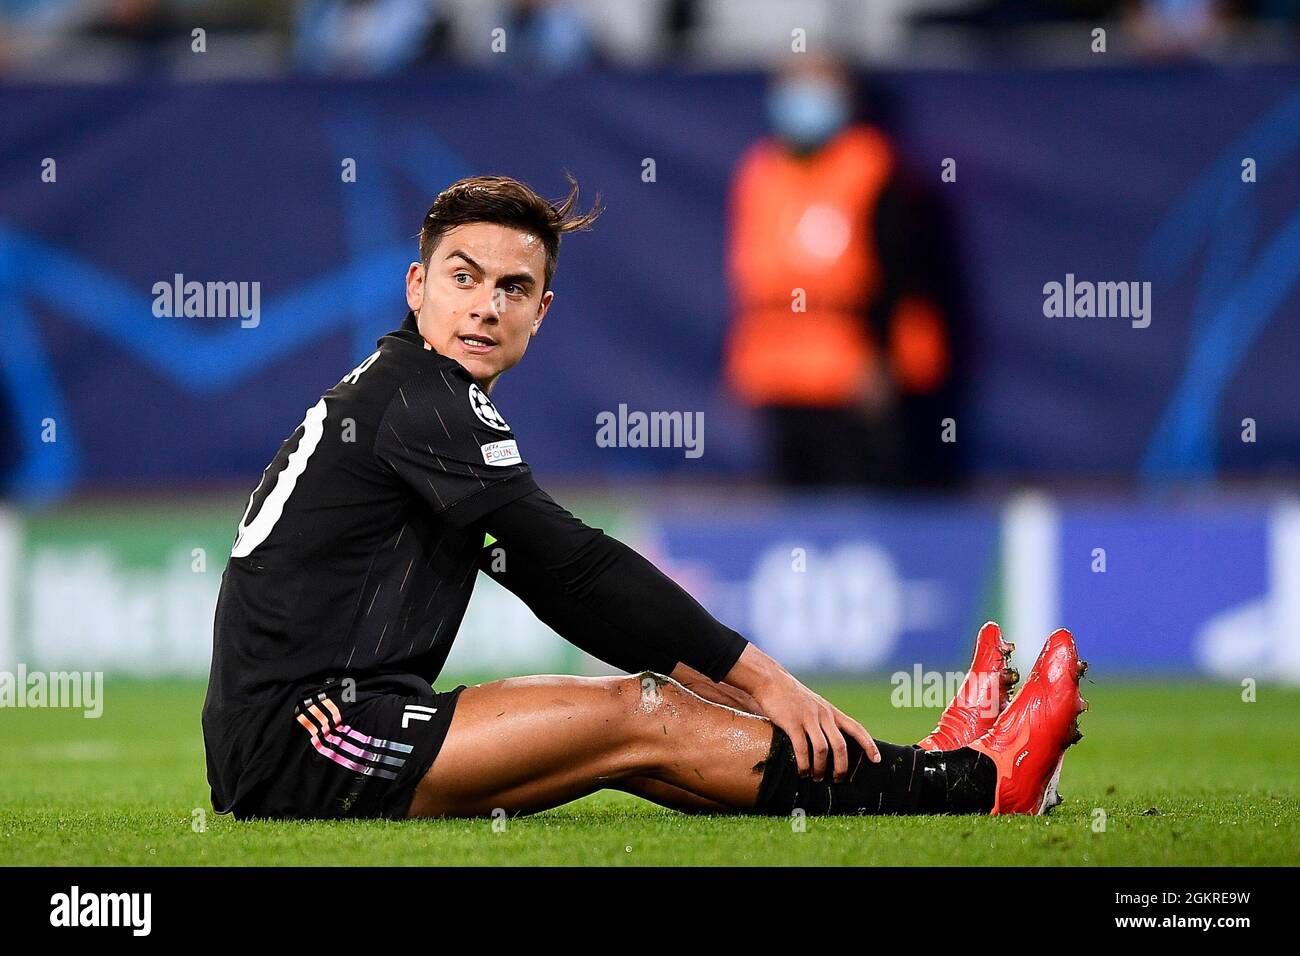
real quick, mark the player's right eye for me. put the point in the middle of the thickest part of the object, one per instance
(462, 275)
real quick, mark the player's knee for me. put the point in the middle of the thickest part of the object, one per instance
(652, 702)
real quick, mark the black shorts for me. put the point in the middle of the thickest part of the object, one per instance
(353, 751)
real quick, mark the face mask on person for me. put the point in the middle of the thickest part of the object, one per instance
(807, 112)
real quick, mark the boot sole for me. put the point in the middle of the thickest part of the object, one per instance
(1051, 794)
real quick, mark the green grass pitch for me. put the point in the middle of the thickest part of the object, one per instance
(1187, 774)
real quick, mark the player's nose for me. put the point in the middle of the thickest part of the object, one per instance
(488, 306)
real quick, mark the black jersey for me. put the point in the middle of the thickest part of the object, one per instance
(356, 555)
(358, 551)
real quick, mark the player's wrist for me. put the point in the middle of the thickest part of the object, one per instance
(755, 672)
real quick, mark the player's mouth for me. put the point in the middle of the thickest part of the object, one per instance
(477, 344)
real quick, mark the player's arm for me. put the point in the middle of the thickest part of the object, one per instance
(604, 597)
(579, 625)
(572, 619)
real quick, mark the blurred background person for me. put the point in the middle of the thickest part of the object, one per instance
(367, 37)
(826, 329)
(1175, 28)
(550, 35)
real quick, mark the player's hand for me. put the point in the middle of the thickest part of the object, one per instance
(815, 727)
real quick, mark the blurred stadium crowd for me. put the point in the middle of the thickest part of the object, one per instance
(106, 39)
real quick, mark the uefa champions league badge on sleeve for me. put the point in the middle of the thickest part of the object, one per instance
(487, 412)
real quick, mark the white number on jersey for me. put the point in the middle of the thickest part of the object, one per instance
(352, 376)
(313, 427)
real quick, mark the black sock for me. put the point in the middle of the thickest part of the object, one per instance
(907, 780)
(959, 781)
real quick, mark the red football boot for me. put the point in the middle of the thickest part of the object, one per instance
(983, 695)
(1028, 742)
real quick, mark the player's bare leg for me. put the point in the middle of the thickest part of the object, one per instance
(667, 795)
(529, 743)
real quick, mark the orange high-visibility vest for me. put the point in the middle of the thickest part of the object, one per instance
(801, 236)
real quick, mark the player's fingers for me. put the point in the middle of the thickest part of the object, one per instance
(858, 733)
(839, 749)
(821, 748)
(798, 743)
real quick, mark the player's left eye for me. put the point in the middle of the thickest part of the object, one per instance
(514, 288)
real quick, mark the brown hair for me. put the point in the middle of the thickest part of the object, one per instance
(509, 202)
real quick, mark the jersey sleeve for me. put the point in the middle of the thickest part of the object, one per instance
(442, 437)
(604, 597)
(569, 616)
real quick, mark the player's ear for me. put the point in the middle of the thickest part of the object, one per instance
(547, 298)
(415, 286)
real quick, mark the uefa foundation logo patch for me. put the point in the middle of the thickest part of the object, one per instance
(487, 412)
(501, 453)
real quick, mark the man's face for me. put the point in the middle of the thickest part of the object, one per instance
(480, 298)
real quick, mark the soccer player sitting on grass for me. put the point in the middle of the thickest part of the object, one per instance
(355, 559)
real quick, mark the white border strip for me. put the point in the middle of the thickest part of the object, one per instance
(1031, 579)
(1284, 589)
(11, 539)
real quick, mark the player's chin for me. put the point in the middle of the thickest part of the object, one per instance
(483, 368)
